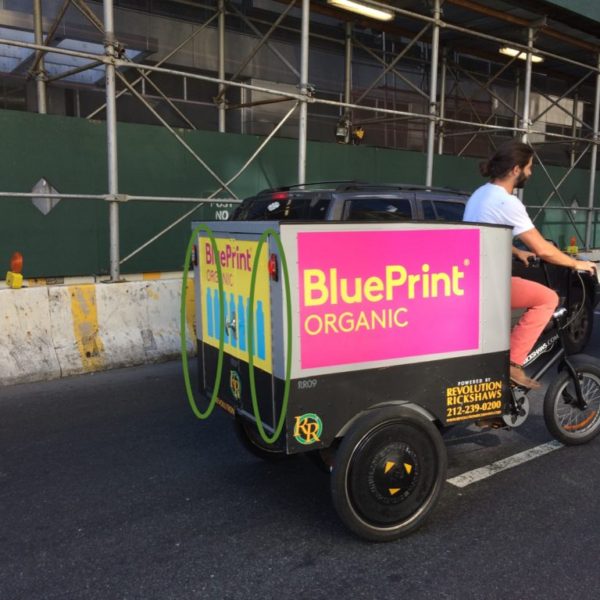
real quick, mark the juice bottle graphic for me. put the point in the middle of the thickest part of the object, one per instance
(260, 331)
(241, 314)
(217, 314)
(209, 314)
(226, 316)
(234, 334)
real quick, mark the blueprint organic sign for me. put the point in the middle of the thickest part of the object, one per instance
(370, 296)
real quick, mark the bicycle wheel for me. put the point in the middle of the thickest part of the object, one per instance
(565, 420)
(388, 473)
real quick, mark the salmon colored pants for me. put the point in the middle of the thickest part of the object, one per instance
(540, 302)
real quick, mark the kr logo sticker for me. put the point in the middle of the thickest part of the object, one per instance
(308, 428)
(235, 385)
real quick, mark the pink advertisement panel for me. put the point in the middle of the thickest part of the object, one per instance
(377, 295)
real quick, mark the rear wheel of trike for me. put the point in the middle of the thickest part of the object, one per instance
(388, 473)
(566, 421)
(250, 438)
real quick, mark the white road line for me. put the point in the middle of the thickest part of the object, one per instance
(470, 477)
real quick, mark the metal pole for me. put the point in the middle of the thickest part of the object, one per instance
(303, 121)
(111, 139)
(593, 164)
(442, 102)
(221, 95)
(51, 33)
(527, 92)
(348, 65)
(517, 100)
(40, 74)
(574, 128)
(435, 48)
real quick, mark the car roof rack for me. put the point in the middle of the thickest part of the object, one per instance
(287, 188)
(400, 186)
(348, 185)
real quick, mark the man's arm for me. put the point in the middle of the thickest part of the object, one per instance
(546, 251)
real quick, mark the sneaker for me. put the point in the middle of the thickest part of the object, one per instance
(518, 377)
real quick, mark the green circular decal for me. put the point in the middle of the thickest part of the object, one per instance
(184, 356)
(288, 367)
(308, 428)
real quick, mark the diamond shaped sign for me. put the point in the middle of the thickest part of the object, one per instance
(41, 202)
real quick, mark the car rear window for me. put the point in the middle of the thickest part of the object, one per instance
(289, 209)
(378, 209)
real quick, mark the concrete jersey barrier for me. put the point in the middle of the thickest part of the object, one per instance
(55, 331)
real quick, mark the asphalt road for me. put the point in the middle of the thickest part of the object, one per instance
(110, 488)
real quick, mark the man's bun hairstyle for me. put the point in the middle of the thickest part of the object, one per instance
(509, 155)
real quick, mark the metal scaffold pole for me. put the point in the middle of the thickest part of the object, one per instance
(221, 96)
(525, 124)
(40, 74)
(303, 121)
(435, 50)
(348, 64)
(111, 139)
(442, 101)
(589, 242)
(573, 130)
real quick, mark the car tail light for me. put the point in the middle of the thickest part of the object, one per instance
(273, 268)
(280, 195)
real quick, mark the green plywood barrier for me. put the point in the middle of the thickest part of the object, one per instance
(70, 153)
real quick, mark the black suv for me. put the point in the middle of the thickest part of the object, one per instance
(354, 201)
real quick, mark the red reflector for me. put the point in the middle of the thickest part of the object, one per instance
(16, 262)
(280, 196)
(273, 274)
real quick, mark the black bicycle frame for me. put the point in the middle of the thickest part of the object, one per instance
(540, 349)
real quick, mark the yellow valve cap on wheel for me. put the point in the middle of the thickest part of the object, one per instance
(14, 280)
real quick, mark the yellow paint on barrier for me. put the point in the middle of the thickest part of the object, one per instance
(151, 276)
(85, 326)
(152, 294)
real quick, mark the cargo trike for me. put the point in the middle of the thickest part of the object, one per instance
(361, 343)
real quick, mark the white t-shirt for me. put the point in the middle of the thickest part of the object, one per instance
(491, 203)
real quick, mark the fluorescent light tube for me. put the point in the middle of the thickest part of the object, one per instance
(361, 8)
(512, 52)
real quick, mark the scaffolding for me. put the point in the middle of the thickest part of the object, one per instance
(431, 42)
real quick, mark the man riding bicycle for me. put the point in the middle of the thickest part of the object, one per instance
(508, 169)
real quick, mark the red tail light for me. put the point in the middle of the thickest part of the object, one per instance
(273, 268)
(280, 195)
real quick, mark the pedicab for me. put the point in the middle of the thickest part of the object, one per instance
(358, 344)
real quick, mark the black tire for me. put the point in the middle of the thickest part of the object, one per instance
(580, 324)
(388, 473)
(565, 421)
(249, 437)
